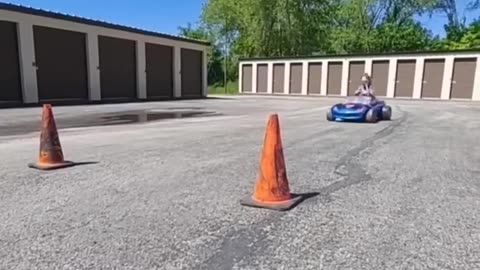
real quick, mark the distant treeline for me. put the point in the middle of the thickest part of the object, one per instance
(249, 28)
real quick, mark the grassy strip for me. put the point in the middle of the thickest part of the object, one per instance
(219, 89)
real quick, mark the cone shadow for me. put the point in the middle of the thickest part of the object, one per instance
(66, 164)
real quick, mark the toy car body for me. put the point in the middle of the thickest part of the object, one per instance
(360, 109)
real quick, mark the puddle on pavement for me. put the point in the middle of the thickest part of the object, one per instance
(120, 118)
(184, 108)
(141, 117)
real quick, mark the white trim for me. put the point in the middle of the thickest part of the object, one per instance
(431, 98)
(460, 99)
(177, 72)
(254, 77)
(324, 80)
(476, 84)
(286, 78)
(345, 74)
(269, 78)
(141, 70)
(447, 78)
(240, 76)
(368, 66)
(418, 79)
(392, 78)
(305, 75)
(365, 58)
(93, 64)
(205, 73)
(27, 58)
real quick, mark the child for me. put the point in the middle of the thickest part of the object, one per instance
(366, 89)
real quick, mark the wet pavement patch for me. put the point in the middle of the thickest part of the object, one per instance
(140, 117)
(107, 119)
(183, 108)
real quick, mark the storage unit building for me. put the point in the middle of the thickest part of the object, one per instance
(117, 66)
(334, 84)
(278, 78)
(314, 73)
(380, 76)
(296, 70)
(159, 70)
(49, 57)
(262, 78)
(11, 89)
(61, 64)
(355, 73)
(405, 78)
(463, 81)
(413, 75)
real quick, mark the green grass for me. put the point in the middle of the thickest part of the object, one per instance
(219, 89)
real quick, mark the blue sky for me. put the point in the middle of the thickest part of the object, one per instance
(164, 15)
(159, 15)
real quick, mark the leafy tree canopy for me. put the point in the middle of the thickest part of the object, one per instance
(249, 28)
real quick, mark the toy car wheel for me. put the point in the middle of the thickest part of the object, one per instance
(329, 115)
(387, 112)
(371, 117)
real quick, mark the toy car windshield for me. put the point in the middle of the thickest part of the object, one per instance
(366, 100)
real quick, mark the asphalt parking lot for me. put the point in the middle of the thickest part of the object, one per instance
(164, 191)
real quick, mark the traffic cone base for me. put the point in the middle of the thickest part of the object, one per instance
(279, 206)
(45, 167)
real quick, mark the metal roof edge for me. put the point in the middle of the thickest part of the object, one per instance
(93, 22)
(406, 53)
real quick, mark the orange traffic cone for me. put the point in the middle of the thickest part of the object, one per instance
(51, 155)
(272, 190)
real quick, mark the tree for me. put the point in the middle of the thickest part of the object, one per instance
(251, 28)
(470, 39)
(270, 27)
(379, 26)
(455, 27)
(409, 36)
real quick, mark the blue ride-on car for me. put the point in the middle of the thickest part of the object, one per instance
(360, 109)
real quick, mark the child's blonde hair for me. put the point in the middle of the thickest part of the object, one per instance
(367, 78)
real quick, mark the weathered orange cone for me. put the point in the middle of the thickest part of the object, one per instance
(51, 155)
(272, 190)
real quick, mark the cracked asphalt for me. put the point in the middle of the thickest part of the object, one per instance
(400, 194)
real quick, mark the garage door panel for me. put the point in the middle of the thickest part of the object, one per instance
(118, 67)
(314, 78)
(296, 72)
(159, 70)
(433, 78)
(405, 78)
(334, 83)
(278, 78)
(262, 78)
(192, 79)
(463, 77)
(246, 78)
(10, 86)
(356, 70)
(380, 77)
(61, 61)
